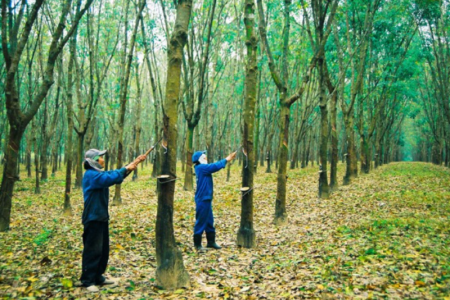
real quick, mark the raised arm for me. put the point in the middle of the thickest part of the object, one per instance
(214, 167)
(108, 178)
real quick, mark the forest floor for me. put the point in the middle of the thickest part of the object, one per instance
(387, 235)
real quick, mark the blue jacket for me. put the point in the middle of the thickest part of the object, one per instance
(203, 173)
(96, 193)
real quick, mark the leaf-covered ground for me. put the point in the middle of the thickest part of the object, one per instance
(387, 235)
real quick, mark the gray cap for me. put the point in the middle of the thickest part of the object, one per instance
(94, 154)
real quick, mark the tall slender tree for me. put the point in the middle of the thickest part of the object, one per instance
(281, 82)
(170, 272)
(246, 234)
(117, 200)
(192, 108)
(13, 46)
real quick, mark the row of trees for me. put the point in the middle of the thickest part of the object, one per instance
(299, 82)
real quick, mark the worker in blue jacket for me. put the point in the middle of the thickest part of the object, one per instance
(96, 183)
(204, 196)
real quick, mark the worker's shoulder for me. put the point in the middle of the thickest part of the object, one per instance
(202, 167)
(89, 173)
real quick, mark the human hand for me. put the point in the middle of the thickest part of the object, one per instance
(131, 167)
(140, 158)
(231, 156)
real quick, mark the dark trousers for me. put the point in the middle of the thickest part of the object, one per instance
(204, 217)
(95, 252)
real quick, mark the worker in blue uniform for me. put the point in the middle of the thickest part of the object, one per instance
(204, 196)
(95, 219)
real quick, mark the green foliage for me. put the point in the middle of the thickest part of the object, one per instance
(43, 237)
(427, 9)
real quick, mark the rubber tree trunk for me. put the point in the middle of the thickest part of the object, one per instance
(29, 159)
(188, 180)
(117, 200)
(295, 154)
(323, 147)
(365, 155)
(37, 188)
(258, 121)
(334, 135)
(44, 145)
(437, 153)
(280, 203)
(44, 160)
(170, 272)
(246, 233)
(377, 154)
(54, 156)
(269, 161)
(10, 175)
(262, 158)
(137, 127)
(80, 156)
(334, 143)
(67, 209)
(351, 170)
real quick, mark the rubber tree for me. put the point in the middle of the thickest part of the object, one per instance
(319, 11)
(170, 271)
(358, 56)
(246, 233)
(87, 104)
(434, 23)
(137, 127)
(386, 59)
(305, 107)
(285, 102)
(333, 91)
(192, 108)
(67, 207)
(13, 46)
(117, 200)
(157, 96)
(47, 132)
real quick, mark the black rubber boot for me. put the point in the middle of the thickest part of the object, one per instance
(198, 242)
(211, 238)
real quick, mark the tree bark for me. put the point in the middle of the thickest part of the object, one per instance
(323, 148)
(280, 204)
(246, 233)
(47, 134)
(170, 272)
(137, 127)
(9, 176)
(188, 180)
(67, 208)
(351, 171)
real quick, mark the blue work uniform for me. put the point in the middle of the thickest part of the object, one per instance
(204, 196)
(95, 221)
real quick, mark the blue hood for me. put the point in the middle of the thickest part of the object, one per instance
(197, 155)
